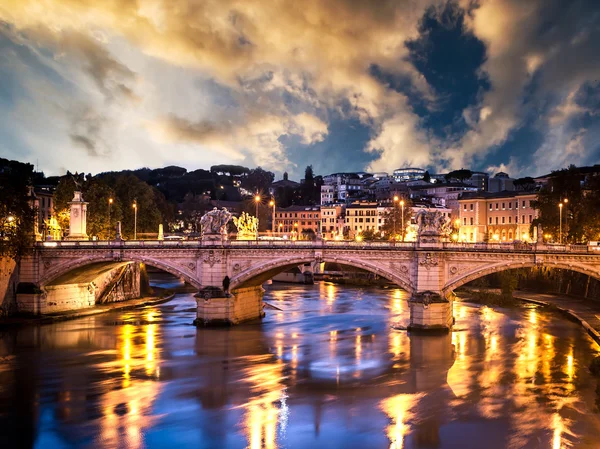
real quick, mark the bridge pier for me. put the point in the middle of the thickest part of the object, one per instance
(430, 312)
(430, 309)
(216, 308)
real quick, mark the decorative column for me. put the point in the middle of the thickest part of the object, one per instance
(78, 219)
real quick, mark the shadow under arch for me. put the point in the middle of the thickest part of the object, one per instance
(497, 268)
(64, 269)
(258, 274)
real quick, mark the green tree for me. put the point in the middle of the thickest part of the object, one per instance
(459, 175)
(258, 180)
(17, 218)
(392, 219)
(580, 199)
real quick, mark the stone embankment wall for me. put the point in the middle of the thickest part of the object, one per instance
(9, 279)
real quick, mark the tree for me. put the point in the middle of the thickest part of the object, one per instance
(392, 220)
(258, 180)
(17, 217)
(579, 214)
(526, 184)
(460, 175)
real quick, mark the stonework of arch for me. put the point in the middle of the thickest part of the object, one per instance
(265, 270)
(485, 270)
(71, 265)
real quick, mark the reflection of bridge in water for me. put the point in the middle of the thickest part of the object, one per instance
(429, 272)
(247, 380)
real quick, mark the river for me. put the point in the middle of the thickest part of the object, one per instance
(328, 370)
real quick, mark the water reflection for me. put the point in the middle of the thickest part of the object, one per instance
(327, 370)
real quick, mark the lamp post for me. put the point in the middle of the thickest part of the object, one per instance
(566, 202)
(256, 201)
(560, 206)
(394, 215)
(135, 220)
(110, 201)
(402, 205)
(272, 204)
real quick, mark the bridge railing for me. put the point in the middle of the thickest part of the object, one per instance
(408, 246)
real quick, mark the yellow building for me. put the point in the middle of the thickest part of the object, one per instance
(497, 217)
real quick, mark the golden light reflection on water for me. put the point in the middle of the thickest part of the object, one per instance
(127, 411)
(267, 406)
(398, 409)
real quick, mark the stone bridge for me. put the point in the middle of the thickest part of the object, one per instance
(428, 271)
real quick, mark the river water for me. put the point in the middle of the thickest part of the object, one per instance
(328, 370)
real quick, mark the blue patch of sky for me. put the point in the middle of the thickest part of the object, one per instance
(449, 58)
(342, 149)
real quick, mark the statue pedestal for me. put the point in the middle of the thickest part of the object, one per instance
(214, 239)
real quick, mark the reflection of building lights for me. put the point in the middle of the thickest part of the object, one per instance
(398, 410)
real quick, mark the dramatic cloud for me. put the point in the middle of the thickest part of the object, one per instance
(122, 83)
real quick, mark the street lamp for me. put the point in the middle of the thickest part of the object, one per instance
(402, 205)
(110, 201)
(272, 204)
(256, 201)
(135, 220)
(394, 215)
(560, 206)
(566, 201)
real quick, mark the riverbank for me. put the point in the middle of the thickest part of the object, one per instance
(26, 320)
(583, 311)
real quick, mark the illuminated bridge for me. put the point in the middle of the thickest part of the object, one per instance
(428, 271)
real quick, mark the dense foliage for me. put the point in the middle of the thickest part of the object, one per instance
(17, 218)
(579, 195)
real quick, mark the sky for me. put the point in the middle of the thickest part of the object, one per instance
(343, 85)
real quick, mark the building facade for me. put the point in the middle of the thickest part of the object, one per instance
(332, 221)
(497, 217)
(298, 222)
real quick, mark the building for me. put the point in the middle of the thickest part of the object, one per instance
(298, 222)
(480, 180)
(332, 221)
(443, 195)
(501, 182)
(362, 216)
(497, 217)
(42, 201)
(285, 183)
(341, 187)
(408, 174)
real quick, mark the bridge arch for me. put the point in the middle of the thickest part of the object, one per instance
(259, 273)
(482, 271)
(64, 268)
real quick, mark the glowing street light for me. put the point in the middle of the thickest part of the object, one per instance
(272, 204)
(135, 220)
(402, 205)
(560, 207)
(257, 201)
(110, 201)
(11, 218)
(394, 214)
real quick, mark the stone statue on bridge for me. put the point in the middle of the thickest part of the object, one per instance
(247, 226)
(214, 224)
(432, 226)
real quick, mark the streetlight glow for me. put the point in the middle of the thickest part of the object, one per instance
(110, 201)
(135, 220)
